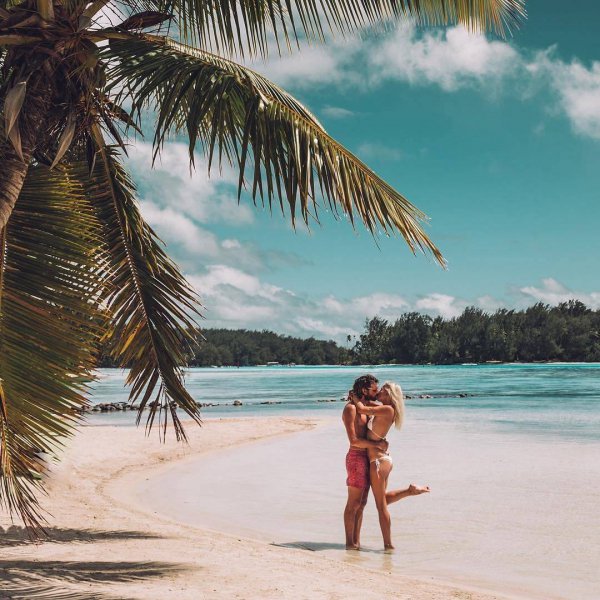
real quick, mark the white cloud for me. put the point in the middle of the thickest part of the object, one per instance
(231, 244)
(181, 206)
(336, 112)
(384, 305)
(489, 304)
(190, 243)
(175, 228)
(448, 307)
(451, 59)
(553, 292)
(356, 310)
(321, 328)
(220, 275)
(235, 298)
(441, 305)
(191, 192)
(369, 150)
(312, 65)
(578, 91)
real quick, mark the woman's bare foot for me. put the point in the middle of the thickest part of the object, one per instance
(352, 547)
(389, 548)
(415, 490)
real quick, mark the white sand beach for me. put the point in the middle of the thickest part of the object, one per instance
(106, 544)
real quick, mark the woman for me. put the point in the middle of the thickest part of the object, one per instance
(380, 422)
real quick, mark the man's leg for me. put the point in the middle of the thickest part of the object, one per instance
(359, 517)
(355, 498)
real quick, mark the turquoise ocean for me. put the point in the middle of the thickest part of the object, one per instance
(561, 400)
(514, 467)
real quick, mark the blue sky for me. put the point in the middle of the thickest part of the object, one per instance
(497, 141)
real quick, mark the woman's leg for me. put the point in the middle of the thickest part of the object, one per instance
(411, 490)
(379, 478)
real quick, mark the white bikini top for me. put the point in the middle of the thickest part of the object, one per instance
(370, 428)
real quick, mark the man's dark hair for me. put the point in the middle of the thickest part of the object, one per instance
(364, 381)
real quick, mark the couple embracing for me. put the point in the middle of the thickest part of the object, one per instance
(368, 416)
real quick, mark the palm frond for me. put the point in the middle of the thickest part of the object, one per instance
(245, 118)
(48, 337)
(151, 306)
(234, 25)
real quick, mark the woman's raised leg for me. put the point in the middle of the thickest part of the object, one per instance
(411, 490)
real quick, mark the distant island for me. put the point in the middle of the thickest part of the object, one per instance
(567, 332)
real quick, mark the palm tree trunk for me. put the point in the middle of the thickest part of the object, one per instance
(32, 125)
(12, 176)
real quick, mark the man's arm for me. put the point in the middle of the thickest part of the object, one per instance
(349, 417)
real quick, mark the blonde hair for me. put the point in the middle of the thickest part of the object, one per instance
(397, 398)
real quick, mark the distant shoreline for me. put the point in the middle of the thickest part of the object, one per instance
(386, 365)
(383, 365)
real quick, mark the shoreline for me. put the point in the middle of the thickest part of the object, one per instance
(96, 515)
(489, 363)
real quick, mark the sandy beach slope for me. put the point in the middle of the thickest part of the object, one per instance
(104, 545)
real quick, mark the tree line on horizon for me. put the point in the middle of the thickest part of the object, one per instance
(567, 332)
(244, 348)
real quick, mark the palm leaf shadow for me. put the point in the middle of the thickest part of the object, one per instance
(19, 536)
(50, 580)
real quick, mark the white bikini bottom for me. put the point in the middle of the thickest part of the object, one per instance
(378, 461)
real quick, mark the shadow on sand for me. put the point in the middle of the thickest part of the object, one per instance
(315, 546)
(51, 580)
(18, 536)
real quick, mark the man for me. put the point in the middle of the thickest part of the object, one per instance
(357, 460)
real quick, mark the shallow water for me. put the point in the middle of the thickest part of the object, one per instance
(506, 512)
(514, 472)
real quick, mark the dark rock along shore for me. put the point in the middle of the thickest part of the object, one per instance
(106, 407)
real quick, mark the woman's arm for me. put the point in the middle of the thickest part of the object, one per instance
(369, 410)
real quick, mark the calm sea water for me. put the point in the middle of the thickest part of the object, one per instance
(514, 469)
(558, 400)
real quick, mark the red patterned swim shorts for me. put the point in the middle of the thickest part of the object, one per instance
(357, 467)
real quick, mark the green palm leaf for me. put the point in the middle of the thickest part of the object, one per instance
(76, 245)
(234, 25)
(236, 111)
(48, 286)
(151, 305)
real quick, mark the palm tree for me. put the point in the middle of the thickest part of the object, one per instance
(77, 261)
